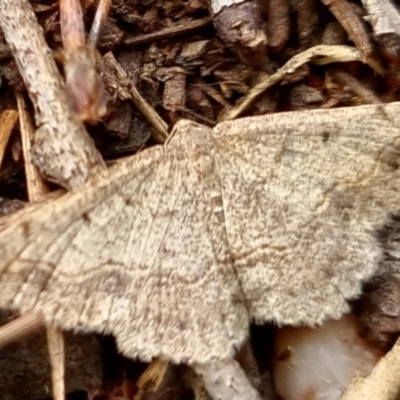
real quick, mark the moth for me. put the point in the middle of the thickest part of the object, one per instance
(174, 250)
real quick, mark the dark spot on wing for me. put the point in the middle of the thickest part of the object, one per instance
(86, 218)
(325, 136)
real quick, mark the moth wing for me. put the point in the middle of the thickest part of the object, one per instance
(139, 253)
(303, 194)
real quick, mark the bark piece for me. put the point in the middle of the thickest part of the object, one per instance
(305, 97)
(385, 20)
(240, 26)
(126, 130)
(278, 26)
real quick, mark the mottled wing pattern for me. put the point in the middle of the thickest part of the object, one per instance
(141, 253)
(303, 194)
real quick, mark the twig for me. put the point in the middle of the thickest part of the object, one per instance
(8, 119)
(345, 13)
(36, 186)
(99, 21)
(350, 84)
(178, 29)
(382, 384)
(318, 54)
(141, 104)
(19, 328)
(225, 380)
(62, 149)
(56, 346)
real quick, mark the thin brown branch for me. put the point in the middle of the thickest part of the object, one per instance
(178, 29)
(148, 112)
(319, 54)
(71, 24)
(36, 186)
(8, 118)
(20, 328)
(56, 346)
(99, 21)
(350, 84)
(345, 13)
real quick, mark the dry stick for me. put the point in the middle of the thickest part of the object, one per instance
(20, 327)
(352, 85)
(382, 384)
(320, 54)
(226, 380)
(383, 16)
(71, 23)
(62, 149)
(179, 29)
(141, 104)
(37, 191)
(37, 187)
(99, 21)
(346, 13)
(8, 119)
(56, 346)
